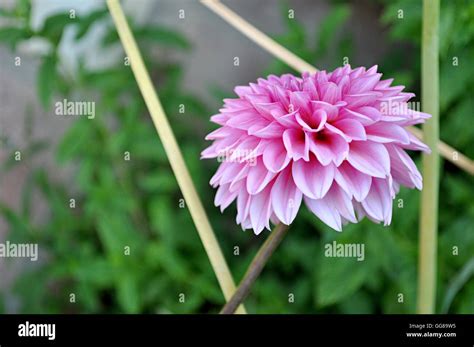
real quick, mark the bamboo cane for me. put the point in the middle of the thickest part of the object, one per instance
(173, 152)
(426, 295)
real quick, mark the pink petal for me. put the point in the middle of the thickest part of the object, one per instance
(280, 95)
(351, 128)
(300, 102)
(364, 84)
(245, 120)
(372, 70)
(219, 133)
(331, 93)
(242, 90)
(416, 144)
(378, 203)
(268, 110)
(270, 131)
(215, 180)
(223, 197)
(314, 122)
(243, 206)
(404, 169)
(260, 210)
(296, 143)
(354, 182)
(220, 118)
(231, 170)
(288, 120)
(221, 146)
(331, 110)
(247, 146)
(310, 88)
(329, 147)
(286, 197)
(325, 212)
(258, 178)
(384, 84)
(387, 132)
(370, 158)
(275, 156)
(359, 117)
(313, 179)
(362, 99)
(342, 202)
(239, 177)
(236, 104)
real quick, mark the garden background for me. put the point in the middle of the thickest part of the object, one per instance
(136, 203)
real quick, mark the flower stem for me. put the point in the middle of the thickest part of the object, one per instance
(173, 152)
(429, 196)
(255, 268)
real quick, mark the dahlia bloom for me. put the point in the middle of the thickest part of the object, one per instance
(336, 140)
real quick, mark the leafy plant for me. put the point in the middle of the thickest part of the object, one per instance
(129, 244)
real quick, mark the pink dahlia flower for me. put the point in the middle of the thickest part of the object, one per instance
(336, 140)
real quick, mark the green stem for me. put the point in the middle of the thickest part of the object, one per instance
(429, 196)
(255, 268)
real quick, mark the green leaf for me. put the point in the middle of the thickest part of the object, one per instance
(296, 33)
(330, 25)
(162, 218)
(163, 36)
(23, 9)
(110, 37)
(46, 81)
(163, 182)
(86, 22)
(454, 129)
(96, 272)
(407, 27)
(458, 282)
(339, 277)
(53, 27)
(12, 36)
(116, 232)
(359, 303)
(26, 196)
(466, 304)
(455, 80)
(76, 139)
(17, 224)
(128, 294)
(5, 13)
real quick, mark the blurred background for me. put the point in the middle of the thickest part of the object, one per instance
(99, 197)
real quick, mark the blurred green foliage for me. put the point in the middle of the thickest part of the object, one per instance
(137, 203)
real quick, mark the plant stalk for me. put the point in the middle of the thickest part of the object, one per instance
(173, 152)
(429, 196)
(255, 268)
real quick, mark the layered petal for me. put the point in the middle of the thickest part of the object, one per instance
(286, 197)
(337, 139)
(312, 178)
